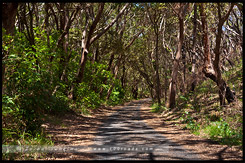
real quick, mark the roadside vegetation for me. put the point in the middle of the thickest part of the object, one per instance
(201, 114)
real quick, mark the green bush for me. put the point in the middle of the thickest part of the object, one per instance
(190, 122)
(157, 109)
(221, 131)
(87, 97)
(11, 119)
(28, 90)
(117, 94)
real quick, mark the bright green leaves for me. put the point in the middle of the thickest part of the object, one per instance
(92, 92)
(86, 97)
(169, 50)
(117, 94)
(29, 84)
(220, 130)
(8, 105)
(183, 98)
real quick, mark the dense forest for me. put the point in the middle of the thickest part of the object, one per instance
(61, 57)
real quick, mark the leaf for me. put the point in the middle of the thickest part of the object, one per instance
(116, 93)
(183, 98)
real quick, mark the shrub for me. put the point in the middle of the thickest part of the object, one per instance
(221, 131)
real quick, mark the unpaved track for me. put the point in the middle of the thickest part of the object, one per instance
(125, 136)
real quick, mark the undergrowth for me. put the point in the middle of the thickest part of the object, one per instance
(202, 114)
(200, 111)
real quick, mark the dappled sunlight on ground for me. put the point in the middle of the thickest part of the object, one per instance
(207, 149)
(131, 123)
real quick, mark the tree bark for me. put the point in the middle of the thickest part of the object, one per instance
(122, 57)
(116, 69)
(123, 75)
(173, 83)
(210, 71)
(154, 22)
(91, 39)
(194, 76)
(9, 12)
(224, 92)
(135, 91)
(158, 86)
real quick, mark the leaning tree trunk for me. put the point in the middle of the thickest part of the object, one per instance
(173, 83)
(224, 90)
(89, 42)
(158, 85)
(210, 71)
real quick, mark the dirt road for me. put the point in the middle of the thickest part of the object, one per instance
(125, 136)
(132, 132)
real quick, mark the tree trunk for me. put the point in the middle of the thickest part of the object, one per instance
(90, 40)
(135, 91)
(158, 86)
(122, 57)
(172, 87)
(116, 69)
(82, 65)
(184, 69)
(9, 12)
(165, 90)
(194, 76)
(123, 76)
(224, 92)
(210, 72)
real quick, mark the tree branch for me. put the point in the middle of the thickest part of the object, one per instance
(68, 25)
(111, 24)
(177, 13)
(227, 14)
(95, 22)
(134, 38)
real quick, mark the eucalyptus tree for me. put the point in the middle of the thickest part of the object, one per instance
(180, 10)
(156, 19)
(89, 36)
(212, 70)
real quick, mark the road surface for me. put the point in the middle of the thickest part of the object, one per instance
(125, 136)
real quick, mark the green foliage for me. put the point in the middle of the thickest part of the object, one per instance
(33, 73)
(183, 98)
(87, 97)
(221, 131)
(11, 119)
(157, 109)
(190, 122)
(28, 93)
(117, 94)
(97, 77)
(184, 101)
(92, 92)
